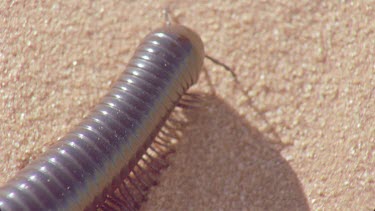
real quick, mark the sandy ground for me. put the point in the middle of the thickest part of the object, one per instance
(296, 133)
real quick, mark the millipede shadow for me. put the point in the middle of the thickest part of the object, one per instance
(224, 163)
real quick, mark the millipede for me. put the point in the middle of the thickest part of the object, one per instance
(108, 161)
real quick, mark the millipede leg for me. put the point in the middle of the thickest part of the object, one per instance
(123, 203)
(162, 139)
(157, 152)
(137, 188)
(170, 126)
(168, 148)
(147, 174)
(174, 121)
(127, 200)
(126, 192)
(115, 201)
(140, 180)
(158, 160)
(155, 169)
(172, 132)
(167, 134)
(162, 144)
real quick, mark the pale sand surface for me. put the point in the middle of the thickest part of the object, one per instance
(296, 133)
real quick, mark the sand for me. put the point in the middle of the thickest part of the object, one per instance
(296, 132)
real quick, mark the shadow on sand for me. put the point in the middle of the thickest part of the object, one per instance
(224, 163)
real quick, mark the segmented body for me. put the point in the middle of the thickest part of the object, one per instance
(92, 160)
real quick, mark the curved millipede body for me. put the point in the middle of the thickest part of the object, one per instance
(93, 166)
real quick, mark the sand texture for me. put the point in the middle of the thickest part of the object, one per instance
(297, 132)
